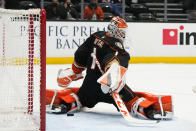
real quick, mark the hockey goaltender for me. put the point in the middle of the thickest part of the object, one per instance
(106, 61)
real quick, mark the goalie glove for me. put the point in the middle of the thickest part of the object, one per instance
(66, 76)
(113, 79)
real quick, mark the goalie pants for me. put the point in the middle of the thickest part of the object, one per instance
(90, 92)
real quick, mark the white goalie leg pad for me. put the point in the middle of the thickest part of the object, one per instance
(165, 115)
(53, 98)
(137, 111)
(79, 105)
(76, 106)
(113, 79)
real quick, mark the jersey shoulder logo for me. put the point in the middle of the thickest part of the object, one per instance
(118, 44)
(99, 43)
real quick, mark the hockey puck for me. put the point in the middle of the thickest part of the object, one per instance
(70, 114)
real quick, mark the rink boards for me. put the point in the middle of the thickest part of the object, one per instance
(148, 42)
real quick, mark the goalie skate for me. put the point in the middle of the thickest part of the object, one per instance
(58, 109)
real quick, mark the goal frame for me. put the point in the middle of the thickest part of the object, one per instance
(43, 70)
(30, 63)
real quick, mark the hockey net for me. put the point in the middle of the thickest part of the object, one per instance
(22, 69)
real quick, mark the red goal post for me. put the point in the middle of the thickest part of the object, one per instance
(22, 69)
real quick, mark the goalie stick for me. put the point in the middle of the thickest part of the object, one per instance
(125, 112)
(118, 100)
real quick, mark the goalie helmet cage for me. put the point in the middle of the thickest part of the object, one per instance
(22, 69)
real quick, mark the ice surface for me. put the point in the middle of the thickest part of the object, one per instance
(173, 79)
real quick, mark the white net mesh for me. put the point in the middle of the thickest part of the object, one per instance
(20, 70)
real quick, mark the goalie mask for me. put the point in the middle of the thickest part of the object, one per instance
(117, 28)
